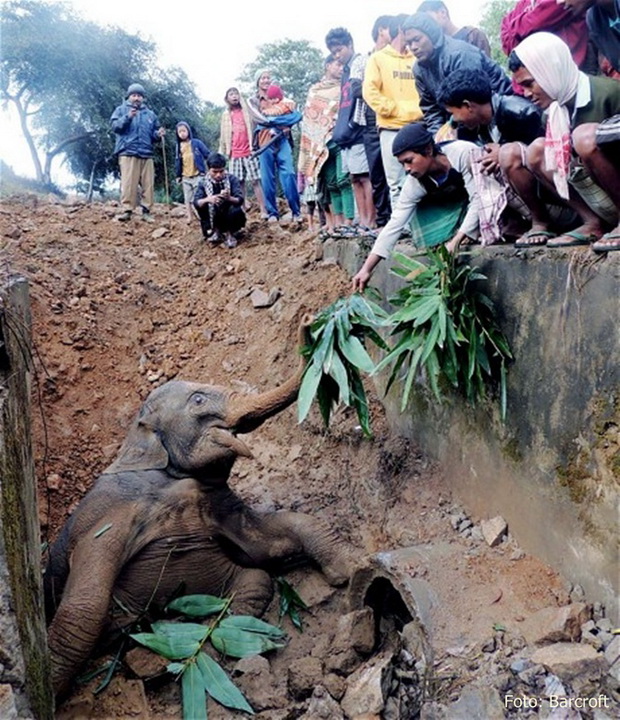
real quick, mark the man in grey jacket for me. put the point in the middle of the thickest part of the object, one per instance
(438, 55)
(136, 128)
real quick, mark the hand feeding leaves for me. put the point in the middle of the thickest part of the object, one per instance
(336, 357)
(447, 327)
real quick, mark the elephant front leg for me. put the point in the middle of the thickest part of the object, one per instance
(284, 534)
(83, 610)
(252, 590)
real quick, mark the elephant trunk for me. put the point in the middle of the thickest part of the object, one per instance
(249, 412)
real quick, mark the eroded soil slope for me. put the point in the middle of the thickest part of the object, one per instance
(120, 308)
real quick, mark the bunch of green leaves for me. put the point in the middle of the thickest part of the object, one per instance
(446, 326)
(236, 636)
(290, 603)
(336, 357)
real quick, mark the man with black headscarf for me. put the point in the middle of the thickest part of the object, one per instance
(437, 55)
(440, 176)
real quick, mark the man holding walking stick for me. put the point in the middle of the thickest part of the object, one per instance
(137, 128)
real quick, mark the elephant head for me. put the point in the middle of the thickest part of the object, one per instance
(190, 429)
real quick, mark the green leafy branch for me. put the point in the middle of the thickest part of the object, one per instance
(290, 603)
(336, 357)
(236, 636)
(446, 327)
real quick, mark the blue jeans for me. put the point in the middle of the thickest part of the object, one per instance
(277, 160)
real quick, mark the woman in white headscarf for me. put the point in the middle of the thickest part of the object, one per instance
(542, 64)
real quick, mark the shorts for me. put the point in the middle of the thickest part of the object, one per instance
(608, 131)
(592, 194)
(354, 160)
(245, 168)
(189, 187)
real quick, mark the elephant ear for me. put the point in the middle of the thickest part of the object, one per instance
(142, 450)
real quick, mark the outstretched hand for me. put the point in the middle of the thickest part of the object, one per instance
(360, 280)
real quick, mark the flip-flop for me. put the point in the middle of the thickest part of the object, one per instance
(523, 240)
(576, 239)
(601, 246)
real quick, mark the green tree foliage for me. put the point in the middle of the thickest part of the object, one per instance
(294, 64)
(64, 77)
(492, 15)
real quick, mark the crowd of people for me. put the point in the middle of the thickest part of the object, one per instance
(425, 136)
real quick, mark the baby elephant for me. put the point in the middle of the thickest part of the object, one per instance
(162, 521)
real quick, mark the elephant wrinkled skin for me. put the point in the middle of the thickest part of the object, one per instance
(161, 521)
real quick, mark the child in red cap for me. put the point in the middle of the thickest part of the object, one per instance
(276, 103)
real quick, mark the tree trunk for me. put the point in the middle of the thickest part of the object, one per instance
(47, 171)
(91, 181)
(23, 121)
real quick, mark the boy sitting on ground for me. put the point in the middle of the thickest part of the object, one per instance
(219, 202)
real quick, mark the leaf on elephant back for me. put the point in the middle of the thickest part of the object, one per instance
(197, 605)
(193, 693)
(102, 530)
(219, 686)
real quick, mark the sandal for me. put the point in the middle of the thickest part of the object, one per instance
(609, 242)
(527, 240)
(573, 238)
(345, 231)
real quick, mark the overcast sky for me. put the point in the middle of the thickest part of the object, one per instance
(212, 41)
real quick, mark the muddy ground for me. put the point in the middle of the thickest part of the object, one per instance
(119, 309)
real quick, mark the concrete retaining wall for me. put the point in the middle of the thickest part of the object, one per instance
(25, 688)
(553, 469)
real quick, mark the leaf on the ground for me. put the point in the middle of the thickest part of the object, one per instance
(290, 601)
(219, 686)
(193, 694)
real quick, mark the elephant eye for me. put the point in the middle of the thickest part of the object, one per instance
(198, 398)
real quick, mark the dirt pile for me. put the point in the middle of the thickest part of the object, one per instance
(120, 308)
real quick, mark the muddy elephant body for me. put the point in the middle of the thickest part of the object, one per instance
(162, 522)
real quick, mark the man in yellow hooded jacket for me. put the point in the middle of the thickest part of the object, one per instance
(389, 89)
